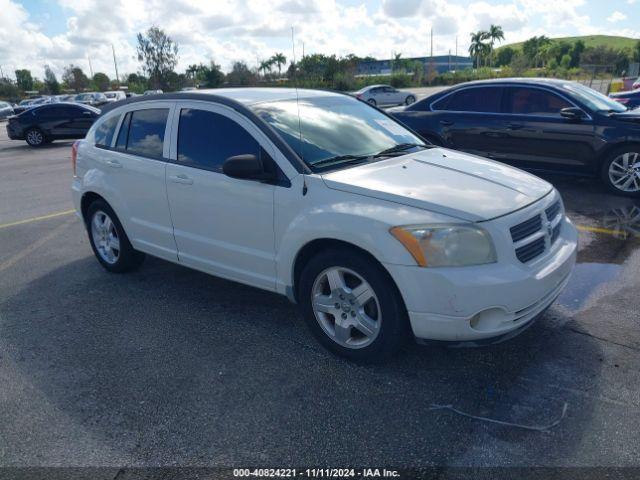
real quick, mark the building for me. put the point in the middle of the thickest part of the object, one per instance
(441, 63)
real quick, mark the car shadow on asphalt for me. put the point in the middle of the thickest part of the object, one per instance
(169, 363)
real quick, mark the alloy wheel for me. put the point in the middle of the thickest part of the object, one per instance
(35, 137)
(624, 172)
(346, 307)
(105, 237)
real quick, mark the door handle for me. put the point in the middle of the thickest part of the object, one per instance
(114, 164)
(446, 123)
(181, 178)
(514, 126)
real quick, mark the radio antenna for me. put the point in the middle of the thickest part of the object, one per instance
(295, 86)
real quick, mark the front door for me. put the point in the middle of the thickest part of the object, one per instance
(222, 225)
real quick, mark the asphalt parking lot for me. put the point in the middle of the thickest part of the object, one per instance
(168, 366)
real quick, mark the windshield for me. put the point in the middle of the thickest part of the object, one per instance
(593, 99)
(333, 126)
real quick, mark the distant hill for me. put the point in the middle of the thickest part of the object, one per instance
(590, 41)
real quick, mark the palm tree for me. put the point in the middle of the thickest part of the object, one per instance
(478, 48)
(279, 59)
(495, 34)
(265, 65)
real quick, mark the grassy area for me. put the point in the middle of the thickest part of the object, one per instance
(609, 41)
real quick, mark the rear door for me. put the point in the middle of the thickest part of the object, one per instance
(134, 163)
(535, 135)
(222, 225)
(470, 119)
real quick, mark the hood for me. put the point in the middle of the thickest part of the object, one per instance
(628, 116)
(444, 181)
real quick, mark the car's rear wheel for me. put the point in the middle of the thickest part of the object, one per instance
(109, 241)
(371, 101)
(621, 171)
(409, 100)
(352, 306)
(35, 137)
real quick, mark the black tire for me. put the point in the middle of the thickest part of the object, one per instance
(371, 101)
(128, 259)
(394, 324)
(35, 137)
(409, 100)
(614, 155)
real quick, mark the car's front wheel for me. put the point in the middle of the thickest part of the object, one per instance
(352, 306)
(621, 171)
(371, 101)
(35, 137)
(109, 241)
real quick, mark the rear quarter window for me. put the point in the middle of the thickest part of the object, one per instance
(105, 131)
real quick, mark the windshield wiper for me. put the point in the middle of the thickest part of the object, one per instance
(340, 159)
(401, 147)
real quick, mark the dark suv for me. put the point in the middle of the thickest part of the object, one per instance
(539, 124)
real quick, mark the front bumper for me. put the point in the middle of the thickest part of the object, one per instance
(13, 133)
(481, 302)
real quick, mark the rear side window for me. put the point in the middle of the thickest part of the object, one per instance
(105, 131)
(146, 132)
(121, 142)
(533, 101)
(482, 100)
(207, 139)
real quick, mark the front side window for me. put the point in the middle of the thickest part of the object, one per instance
(206, 139)
(480, 100)
(105, 131)
(593, 99)
(534, 101)
(146, 132)
(324, 127)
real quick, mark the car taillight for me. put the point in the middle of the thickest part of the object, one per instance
(74, 155)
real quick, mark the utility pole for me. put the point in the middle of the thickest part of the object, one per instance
(302, 49)
(456, 53)
(90, 67)
(115, 64)
(432, 43)
(449, 59)
(1, 72)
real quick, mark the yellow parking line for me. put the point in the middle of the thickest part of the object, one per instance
(585, 228)
(36, 219)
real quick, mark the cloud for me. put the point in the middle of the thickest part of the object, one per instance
(616, 17)
(401, 8)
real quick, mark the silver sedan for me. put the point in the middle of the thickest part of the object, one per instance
(384, 95)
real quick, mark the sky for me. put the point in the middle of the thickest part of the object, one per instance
(62, 32)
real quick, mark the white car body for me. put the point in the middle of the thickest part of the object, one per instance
(385, 95)
(252, 232)
(115, 96)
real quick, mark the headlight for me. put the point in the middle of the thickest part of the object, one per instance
(446, 245)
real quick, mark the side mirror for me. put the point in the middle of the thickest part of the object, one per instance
(573, 113)
(246, 167)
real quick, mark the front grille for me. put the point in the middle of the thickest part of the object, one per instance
(534, 225)
(526, 228)
(552, 211)
(531, 250)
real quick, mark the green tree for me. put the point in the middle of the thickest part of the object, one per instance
(158, 54)
(50, 81)
(565, 61)
(75, 78)
(576, 53)
(504, 56)
(8, 90)
(24, 80)
(101, 81)
(265, 66)
(636, 52)
(241, 75)
(495, 34)
(478, 48)
(279, 59)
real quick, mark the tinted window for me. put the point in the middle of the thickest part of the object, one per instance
(53, 112)
(146, 131)
(207, 139)
(121, 142)
(533, 101)
(472, 100)
(105, 131)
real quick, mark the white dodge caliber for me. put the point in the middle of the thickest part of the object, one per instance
(325, 199)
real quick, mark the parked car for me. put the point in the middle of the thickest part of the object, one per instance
(538, 124)
(54, 121)
(152, 92)
(65, 98)
(6, 110)
(32, 102)
(320, 197)
(384, 95)
(95, 99)
(630, 99)
(115, 95)
(636, 84)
